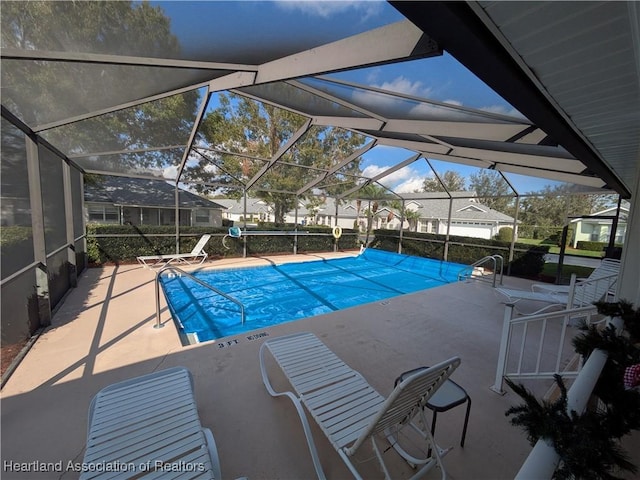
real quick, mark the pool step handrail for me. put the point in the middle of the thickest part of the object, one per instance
(199, 282)
(498, 266)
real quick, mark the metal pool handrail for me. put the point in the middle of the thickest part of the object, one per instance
(198, 281)
(495, 259)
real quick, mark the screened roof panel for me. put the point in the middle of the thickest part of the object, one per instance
(212, 166)
(240, 26)
(334, 185)
(88, 77)
(43, 92)
(396, 106)
(285, 178)
(162, 164)
(297, 99)
(145, 126)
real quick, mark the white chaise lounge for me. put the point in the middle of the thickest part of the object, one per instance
(348, 410)
(577, 294)
(146, 427)
(196, 256)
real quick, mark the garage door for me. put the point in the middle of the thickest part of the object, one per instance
(471, 231)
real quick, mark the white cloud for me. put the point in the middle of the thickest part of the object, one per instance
(170, 172)
(328, 8)
(390, 103)
(502, 110)
(404, 180)
(404, 85)
(409, 186)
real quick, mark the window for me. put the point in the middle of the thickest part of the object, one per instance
(103, 214)
(111, 215)
(202, 216)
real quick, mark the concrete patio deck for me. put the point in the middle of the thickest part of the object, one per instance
(103, 333)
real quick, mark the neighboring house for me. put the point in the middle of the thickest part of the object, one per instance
(599, 229)
(468, 217)
(121, 200)
(257, 210)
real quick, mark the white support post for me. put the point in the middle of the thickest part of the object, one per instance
(504, 349)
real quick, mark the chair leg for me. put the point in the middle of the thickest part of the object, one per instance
(466, 421)
(433, 428)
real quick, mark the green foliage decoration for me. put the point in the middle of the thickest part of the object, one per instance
(588, 444)
(584, 442)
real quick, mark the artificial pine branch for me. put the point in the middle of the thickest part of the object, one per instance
(587, 443)
(539, 420)
(623, 309)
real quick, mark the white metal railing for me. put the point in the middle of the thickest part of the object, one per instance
(542, 349)
(498, 267)
(543, 459)
(199, 282)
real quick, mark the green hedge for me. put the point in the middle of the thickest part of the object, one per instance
(594, 246)
(140, 240)
(528, 260)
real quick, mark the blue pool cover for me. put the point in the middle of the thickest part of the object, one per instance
(283, 293)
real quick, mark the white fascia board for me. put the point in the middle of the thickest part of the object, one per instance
(381, 45)
(233, 80)
(533, 138)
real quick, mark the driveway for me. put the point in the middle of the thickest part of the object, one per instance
(573, 260)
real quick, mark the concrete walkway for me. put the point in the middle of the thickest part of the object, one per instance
(104, 333)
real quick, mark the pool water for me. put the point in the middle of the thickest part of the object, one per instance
(282, 293)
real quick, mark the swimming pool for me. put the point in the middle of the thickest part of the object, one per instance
(282, 293)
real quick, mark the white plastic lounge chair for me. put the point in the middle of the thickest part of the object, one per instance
(197, 255)
(579, 294)
(347, 409)
(147, 426)
(607, 267)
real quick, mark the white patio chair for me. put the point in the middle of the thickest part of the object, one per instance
(607, 267)
(348, 410)
(149, 426)
(578, 294)
(196, 256)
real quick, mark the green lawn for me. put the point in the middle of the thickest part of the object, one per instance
(550, 269)
(556, 249)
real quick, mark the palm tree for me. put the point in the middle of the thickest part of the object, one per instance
(378, 196)
(412, 216)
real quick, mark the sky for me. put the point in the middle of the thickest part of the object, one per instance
(250, 25)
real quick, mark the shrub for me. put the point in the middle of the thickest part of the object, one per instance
(591, 246)
(505, 234)
(131, 241)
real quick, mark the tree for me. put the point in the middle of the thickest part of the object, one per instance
(492, 190)
(452, 181)
(412, 216)
(253, 133)
(65, 89)
(551, 209)
(377, 196)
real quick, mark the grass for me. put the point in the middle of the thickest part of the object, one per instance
(550, 269)
(553, 248)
